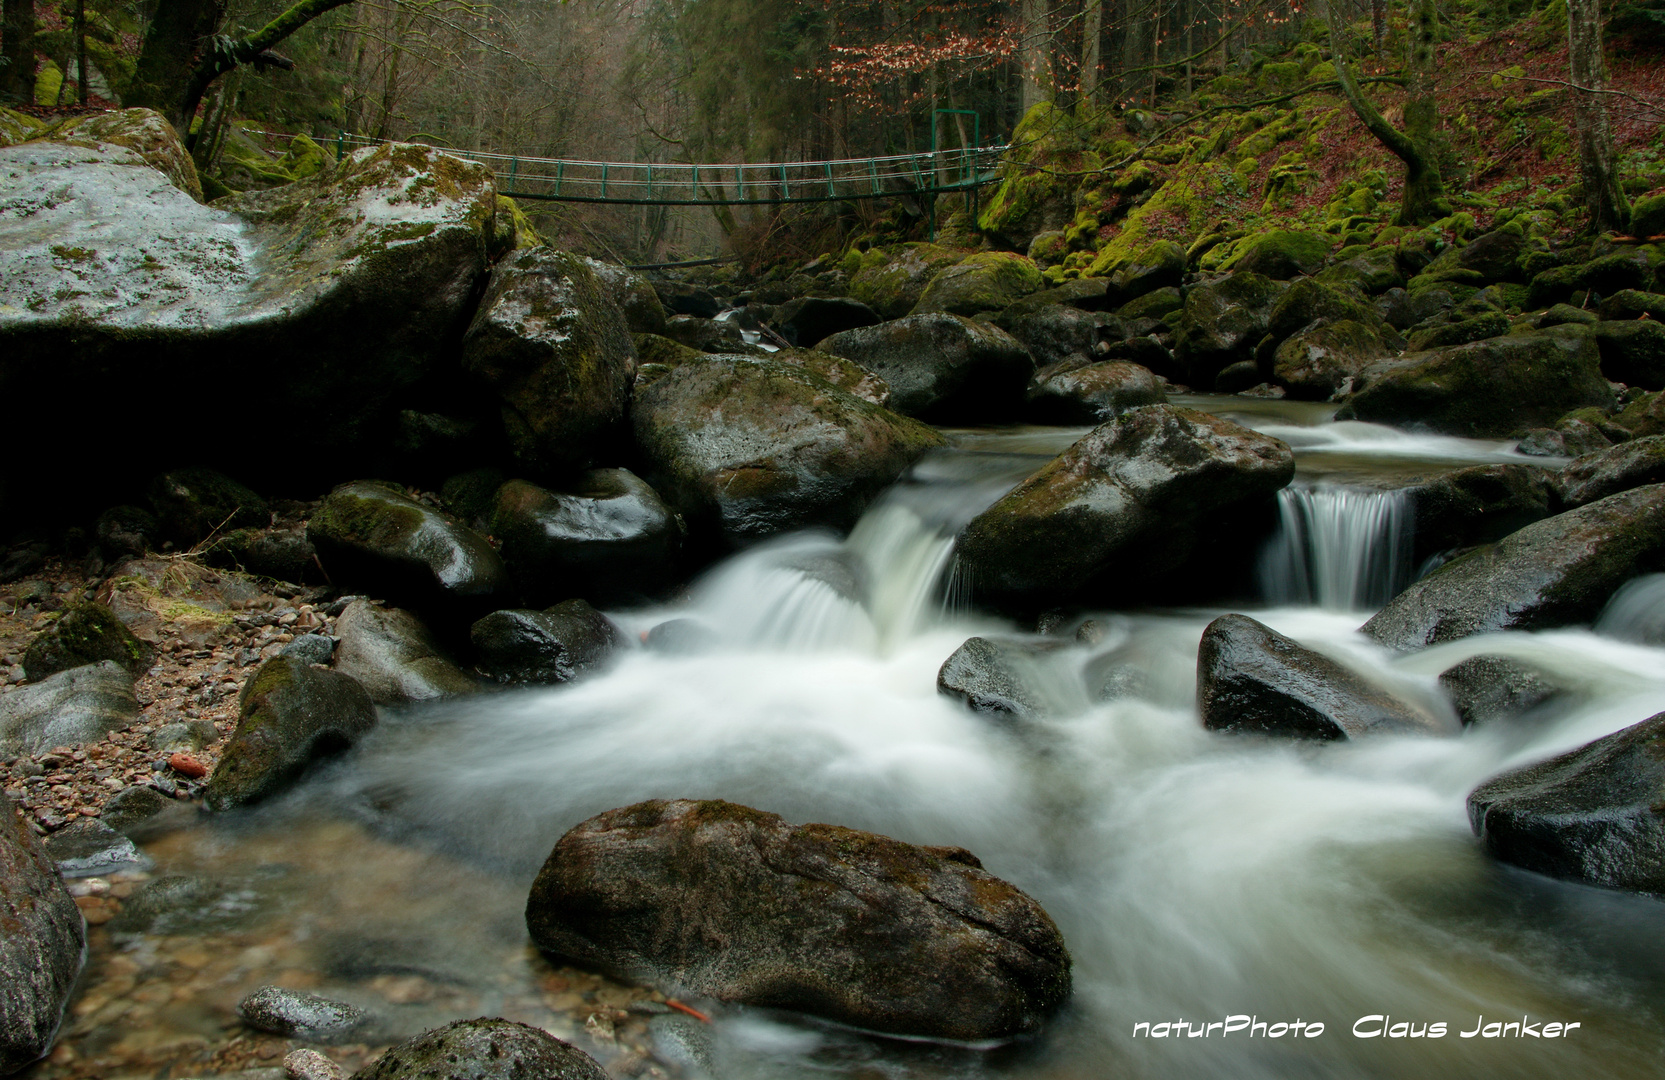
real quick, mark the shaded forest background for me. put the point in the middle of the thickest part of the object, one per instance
(785, 80)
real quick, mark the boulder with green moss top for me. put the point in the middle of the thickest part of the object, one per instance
(290, 715)
(374, 537)
(608, 537)
(1329, 357)
(1088, 294)
(1222, 322)
(747, 447)
(512, 230)
(1133, 493)
(632, 293)
(988, 281)
(43, 947)
(847, 375)
(1156, 304)
(1283, 254)
(1647, 216)
(1487, 389)
(79, 705)
(891, 281)
(193, 503)
(394, 656)
(1310, 301)
(1075, 392)
(16, 127)
(1560, 571)
(1633, 268)
(283, 553)
(1460, 332)
(142, 131)
(1160, 265)
(1611, 470)
(1371, 272)
(724, 901)
(1493, 256)
(85, 633)
(489, 1048)
(1631, 304)
(1633, 351)
(940, 366)
(552, 344)
(1643, 416)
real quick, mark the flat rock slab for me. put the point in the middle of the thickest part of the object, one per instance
(720, 900)
(41, 948)
(80, 705)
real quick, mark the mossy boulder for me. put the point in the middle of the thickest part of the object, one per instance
(552, 344)
(746, 447)
(85, 633)
(1627, 269)
(808, 320)
(489, 1048)
(1222, 322)
(16, 127)
(1052, 333)
(1308, 301)
(1478, 505)
(373, 536)
(555, 645)
(632, 293)
(1157, 304)
(1647, 216)
(1630, 304)
(1460, 332)
(512, 229)
(1371, 272)
(1492, 256)
(607, 537)
(1633, 352)
(290, 715)
(1031, 199)
(1329, 357)
(1611, 470)
(1132, 493)
(941, 367)
(43, 947)
(193, 503)
(142, 131)
(394, 656)
(724, 901)
(1556, 572)
(284, 554)
(1160, 265)
(988, 281)
(1074, 392)
(1487, 389)
(891, 281)
(1283, 254)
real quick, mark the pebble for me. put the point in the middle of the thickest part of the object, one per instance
(310, 1065)
(187, 765)
(289, 1012)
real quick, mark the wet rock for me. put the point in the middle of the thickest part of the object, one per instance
(1633, 352)
(1054, 333)
(1461, 332)
(133, 806)
(554, 347)
(93, 848)
(746, 448)
(989, 676)
(1487, 389)
(1252, 679)
(483, 1049)
(41, 948)
(634, 295)
(374, 537)
(282, 553)
(310, 649)
(681, 637)
(1403, 310)
(1595, 815)
(86, 633)
(806, 321)
(986, 281)
(680, 298)
(941, 366)
(185, 737)
(1317, 362)
(192, 503)
(1156, 304)
(551, 646)
(1131, 493)
(683, 1042)
(1477, 505)
(1555, 572)
(709, 336)
(1074, 393)
(302, 1016)
(1611, 470)
(1222, 322)
(1309, 301)
(290, 715)
(77, 706)
(186, 905)
(847, 375)
(1604, 275)
(720, 900)
(609, 537)
(392, 655)
(1487, 688)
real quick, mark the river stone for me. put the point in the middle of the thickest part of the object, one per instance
(310, 649)
(1284, 254)
(42, 948)
(1159, 265)
(1487, 688)
(85, 633)
(681, 298)
(1077, 393)
(847, 375)
(302, 1016)
(608, 537)
(746, 447)
(1556, 572)
(1633, 352)
(1487, 389)
(483, 1049)
(290, 714)
(283, 553)
(552, 646)
(1134, 492)
(720, 900)
(1250, 678)
(392, 655)
(192, 503)
(986, 281)
(1317, 362)
(133, 806)
(1221, 324)
(806, 321)
(634, 295)
(941, 367)
(989, 677)
(89, 848)
(374, 537)
(1054, 333)
(1308, 301)
(1477, 505)
(1595, 815)
(81, 705)
(893, 281)
(710, 336)
(551, 343)
(1606, 472)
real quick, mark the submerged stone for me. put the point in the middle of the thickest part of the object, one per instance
(483, 1049)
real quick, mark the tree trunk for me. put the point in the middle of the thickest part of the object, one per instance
(83, 89)
(1033, 55)
(1378, 24)
(17, 49)
(1092, 28)
(1604, 198)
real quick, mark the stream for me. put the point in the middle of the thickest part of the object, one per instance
(1195, 877)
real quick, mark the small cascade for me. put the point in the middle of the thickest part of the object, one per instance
(1342, 548)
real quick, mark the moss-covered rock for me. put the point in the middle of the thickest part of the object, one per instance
(1460, 332)
(631, 292)
(16, 127)
(85, 633)
(1052, 333)
(891, 281)
(290, 715)
(1157, 304)
(1611, 470)
(557, 645)
(1309, 300)
(1319, 361)
(1160, 265)
(1283, 254)
(1633, 352)
(1072, 392)
(489, 1048)
(192, 503)
(393, 655)
(1628, 269)
(1631, 304)
(988, 281)
(940, 366)
(1371, 272)
(1647, 216)
(1222, 323)
(1032, 200)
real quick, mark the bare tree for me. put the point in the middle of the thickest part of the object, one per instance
(1604, 198)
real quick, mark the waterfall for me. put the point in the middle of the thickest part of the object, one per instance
(1338, 547)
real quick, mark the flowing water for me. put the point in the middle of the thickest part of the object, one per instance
(1195, 877)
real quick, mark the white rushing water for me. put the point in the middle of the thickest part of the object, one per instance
(1341, 548)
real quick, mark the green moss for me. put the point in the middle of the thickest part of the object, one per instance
(85, 633)
(987, 281)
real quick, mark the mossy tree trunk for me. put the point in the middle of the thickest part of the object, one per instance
(1604, 198)
(1092, 29)
(17, 51)
(1034, 54)
(1423, 199)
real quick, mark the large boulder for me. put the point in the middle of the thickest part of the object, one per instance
(290, 715)
(85, 633)
(1595, 815)
(1124, 504)
(1160, 265)
(609, 537)
(634, 295)
(987, 281)
(1555, 572)
(1487, 389)
(721, 900)
(1252, 679)
(807, 320)
(1633, 352)
(552, 646)
(327, 301)
(192, 503)
(42, 946)
(1316, 363)
(392, 655)
(747, 447)
(894, 280)
(1477, 505)
(373, 536)
(1222, 322)
(941, 367)
(1607, 472)
(1053, 332)
(993, 676)
(1283, 254)
(80, 705)
(552, 344)
(1078, 393)
(1488, 688)
(489, 1048)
